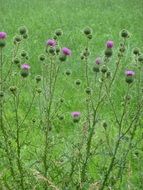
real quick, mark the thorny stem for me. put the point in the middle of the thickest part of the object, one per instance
(89, 140)
(1, 118)
(117, 143)
(19, 163)
(48, 120)
(14, 55)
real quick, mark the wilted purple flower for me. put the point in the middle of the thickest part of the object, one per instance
(98, 61)
(129, 73)
(3, 35)
(51, 42)
(110, 44)
(66, 51)
(25, 66)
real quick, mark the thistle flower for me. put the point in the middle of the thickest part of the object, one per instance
(66, 51)
(129, 73)
(109, 44)
(98, 61)
(25, 67)
(3, 35)
(129, 76)
(76, 116)
(51, 42)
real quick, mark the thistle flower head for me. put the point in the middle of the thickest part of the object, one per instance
(129, 73)
(98, 61)
(75, 114)
(129, 76)
(3, 35)
(51, 42)
(109, 44)
(25, 67)
(66, 51)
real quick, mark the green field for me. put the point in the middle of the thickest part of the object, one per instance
(71, 160)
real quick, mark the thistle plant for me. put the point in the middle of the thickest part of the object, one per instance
(63, 130)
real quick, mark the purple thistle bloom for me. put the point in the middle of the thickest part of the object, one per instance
(51, 42)
(98, 61)
(3, 35)
(66, 51)
(110, 44)
(129, 73)
(25, 66)
(75, 114)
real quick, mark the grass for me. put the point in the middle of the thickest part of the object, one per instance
(107, 18)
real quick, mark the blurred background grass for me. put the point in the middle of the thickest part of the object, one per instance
(105, 17)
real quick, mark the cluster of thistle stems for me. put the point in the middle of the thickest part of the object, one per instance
(99, 94)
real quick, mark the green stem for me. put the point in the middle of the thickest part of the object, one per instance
(19, 163)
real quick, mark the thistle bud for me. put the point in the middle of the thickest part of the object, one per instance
(17, 39)
(22, 30)
(52, 50)
(86, 53)
(136, 51)
(62, 58)
(96, 68)
(108, 74)
(23, 53)
(127, 98)
(104, 69)
(13, 89)
(87, 31)
(61, 100)
(89, 36)
(61, 117)
(25, 36)
(16, 61)
(108, 52)
(2, 43)
(82, 57)
(122, 49)
(140, 58)
(39, 90)
(42, 57)
(33, 120)
(104, 124)
(58, 32)
(68, 72)
(57, 50)
(24, 73)
(1, 94)
(124, 33)
(38, 78)
(78, 82)
(88, 90)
